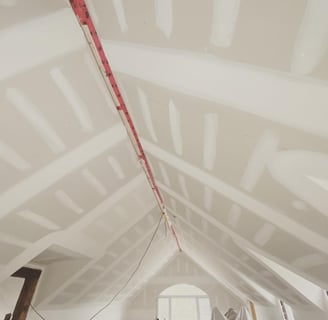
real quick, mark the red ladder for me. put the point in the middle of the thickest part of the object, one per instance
(82, 13)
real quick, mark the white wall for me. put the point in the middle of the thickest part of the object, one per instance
(9, 292)
(300, 314)
(268, 313)
(180, 270)
(274, 313)
(114, 312)
(143, 306)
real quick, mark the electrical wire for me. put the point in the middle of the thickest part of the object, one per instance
(133, 273)
(126, 283)
(36, 311)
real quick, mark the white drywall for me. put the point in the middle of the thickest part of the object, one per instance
(9, 292)
(300, 314)
(114, 312)
(180, 270)
(268, 313)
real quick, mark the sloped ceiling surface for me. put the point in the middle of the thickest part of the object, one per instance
(230, 101)
(181, 269)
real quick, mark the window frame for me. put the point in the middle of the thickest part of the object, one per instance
(196, 299)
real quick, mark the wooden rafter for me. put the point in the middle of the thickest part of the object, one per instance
(31, 277)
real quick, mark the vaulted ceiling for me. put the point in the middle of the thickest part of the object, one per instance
(230, 101)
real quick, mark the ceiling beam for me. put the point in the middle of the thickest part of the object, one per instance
(195, 257)
(260, 209)
(293, 101)
(262, 292)
(46, 292)
(222, 249)
(222, 227)
(58, 169)
(156, 245)
(310, 291)
(36, 248)
(103, 274)
(30, 50)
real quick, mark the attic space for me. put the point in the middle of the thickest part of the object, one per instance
(164, 160)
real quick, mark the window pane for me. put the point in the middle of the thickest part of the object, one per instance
(163, 309)
(184, 309)
(204, 308)
(183, 290)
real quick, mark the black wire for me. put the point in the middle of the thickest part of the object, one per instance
(132, 274)
(36, 311)
(126, 283)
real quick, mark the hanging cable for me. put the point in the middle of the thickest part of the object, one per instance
(126, 283)
(37, 312)
(133, 273)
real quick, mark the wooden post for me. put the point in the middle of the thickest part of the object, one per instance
(283, 309)
(253, 310)
(31, 277)
(7, 316)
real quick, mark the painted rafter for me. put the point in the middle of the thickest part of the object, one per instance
(261, 291)
(243, 199)
(297, 103)
(163, 259)
(53, 172)
(54, 237)
(191, 253)
(217, 246)
(217, 224)
(308, 290)
(156, 245)
(120, 258)
(47, 293)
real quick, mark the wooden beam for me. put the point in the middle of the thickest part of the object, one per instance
(31, 277)
(283, 309)
(253, 310)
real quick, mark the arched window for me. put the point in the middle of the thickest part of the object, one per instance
(183, 302)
